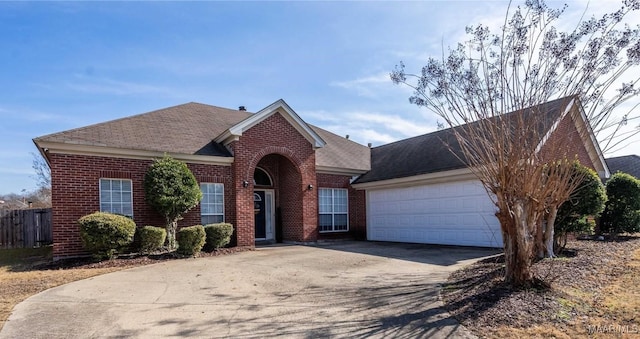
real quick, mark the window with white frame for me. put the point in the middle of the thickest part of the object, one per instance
(116, 196)
(212, 203)
(333, 210)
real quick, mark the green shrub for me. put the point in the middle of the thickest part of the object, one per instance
(191, 239)
(104, 234)
(151, 238)
(588, 200)
(218, 235)
(621, 213)
(172, 190)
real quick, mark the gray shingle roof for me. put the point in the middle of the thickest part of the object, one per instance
(183, 129)
(627, 164)
(340, 152)
(190, 129)
(438, 151)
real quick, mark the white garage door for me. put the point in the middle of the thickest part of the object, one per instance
(458, 213)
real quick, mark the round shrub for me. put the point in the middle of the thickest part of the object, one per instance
(104, 234)
(218, 235)
(151, 238)
(191, 239)
(622, 211)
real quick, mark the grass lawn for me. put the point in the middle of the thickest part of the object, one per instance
(595, 293)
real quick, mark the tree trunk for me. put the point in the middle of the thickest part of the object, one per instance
(540, 247)
(172, 225)
(519, 240)
(548, 232)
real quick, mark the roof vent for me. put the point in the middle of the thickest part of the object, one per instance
(369, 145)
(347, 137)
(242, 108)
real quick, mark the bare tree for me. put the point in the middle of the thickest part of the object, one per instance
(530, 62)
(43, 172)
(43, 180)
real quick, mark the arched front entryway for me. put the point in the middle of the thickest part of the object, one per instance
(278, 200)
(289, 178)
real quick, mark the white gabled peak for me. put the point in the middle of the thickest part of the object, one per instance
(234, 132)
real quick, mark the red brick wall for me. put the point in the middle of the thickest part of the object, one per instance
(290, 202)
(566, 141)
(275, 135)
(75, 193)
(357, 207)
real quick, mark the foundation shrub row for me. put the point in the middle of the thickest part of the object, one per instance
(105, 235)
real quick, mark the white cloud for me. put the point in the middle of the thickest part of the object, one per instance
(369, 127)
(394, 123)
(373, 79)
(369, 86)
(377, 138)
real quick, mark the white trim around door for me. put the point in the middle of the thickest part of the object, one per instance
(270, 214)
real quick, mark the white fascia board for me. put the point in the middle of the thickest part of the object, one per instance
(226, 138)
(339, 171)
(234, 132)
(110, 152)
(594, 150)
(547, 135)
(588, 139)
(418, 180)
(42, 152)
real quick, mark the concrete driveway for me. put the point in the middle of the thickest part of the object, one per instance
(343, 289)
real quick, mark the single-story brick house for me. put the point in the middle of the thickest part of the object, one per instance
(277, 178)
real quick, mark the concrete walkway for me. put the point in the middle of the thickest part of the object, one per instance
(346, 289)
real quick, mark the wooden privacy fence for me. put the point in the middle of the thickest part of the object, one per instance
(25, 228)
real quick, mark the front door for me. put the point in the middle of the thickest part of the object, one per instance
(264, 214)
(260, 211)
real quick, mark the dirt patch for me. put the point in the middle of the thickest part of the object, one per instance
(593, 291)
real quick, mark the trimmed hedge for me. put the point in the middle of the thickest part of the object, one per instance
(191, 239)
(104, 234)
(151, 238)
(218, 235)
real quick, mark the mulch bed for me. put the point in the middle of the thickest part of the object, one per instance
(127, 260)
(480, 300)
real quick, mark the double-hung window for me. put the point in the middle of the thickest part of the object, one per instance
(212, 203)
(333, 210)
(116, 196)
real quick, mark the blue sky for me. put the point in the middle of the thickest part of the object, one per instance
(70, 64)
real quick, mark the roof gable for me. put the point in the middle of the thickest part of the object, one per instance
(280, 106)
